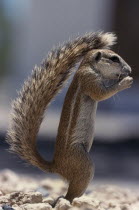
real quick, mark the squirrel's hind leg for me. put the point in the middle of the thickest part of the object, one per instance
(82, 174)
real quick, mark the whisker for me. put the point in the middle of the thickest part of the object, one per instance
(118, 97)
(119, 76)
(114, 99)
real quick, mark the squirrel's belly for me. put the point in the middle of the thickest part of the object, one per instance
(84, 129)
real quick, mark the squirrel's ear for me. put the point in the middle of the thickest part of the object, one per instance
(97, 56)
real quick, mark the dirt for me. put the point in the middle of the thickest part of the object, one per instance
(25, 193)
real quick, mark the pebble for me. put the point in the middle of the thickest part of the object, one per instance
(8, 175)
(38, 206)
(19, 193)
(32, 197)
(1, 193)
(43, 191)
(4, 199)
(6, 207)
(16, 207)
(49, 200)
(63, 204)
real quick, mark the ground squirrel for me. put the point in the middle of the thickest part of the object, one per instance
(101, 74)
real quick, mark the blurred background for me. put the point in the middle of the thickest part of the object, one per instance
(28, 30)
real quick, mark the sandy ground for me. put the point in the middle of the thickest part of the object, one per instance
(26, 193)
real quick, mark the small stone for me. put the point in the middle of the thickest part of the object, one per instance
(8, 175)
(49, 200)
(1, 193)
(14, 195)
(32, 197)
(38, 206)
(4, 199)
(47, 184)
(6, 207)
(125, 207)
(54, 185)
(63, 204)
(83, 201)
(43, 191)
(16, 207)
(103, 205)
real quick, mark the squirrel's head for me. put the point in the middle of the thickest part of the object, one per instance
(107, 64)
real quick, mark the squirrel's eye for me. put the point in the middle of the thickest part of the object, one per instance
(115, 59)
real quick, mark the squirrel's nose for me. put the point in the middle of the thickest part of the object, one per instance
(127, 70)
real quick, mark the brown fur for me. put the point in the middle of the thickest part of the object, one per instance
(76, 129)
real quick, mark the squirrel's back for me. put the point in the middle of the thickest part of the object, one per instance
(38, 91)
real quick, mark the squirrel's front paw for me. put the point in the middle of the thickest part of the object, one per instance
(125, 83)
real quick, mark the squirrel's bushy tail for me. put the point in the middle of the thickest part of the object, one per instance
(37, 92)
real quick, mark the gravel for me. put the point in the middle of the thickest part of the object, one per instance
(25, 193)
